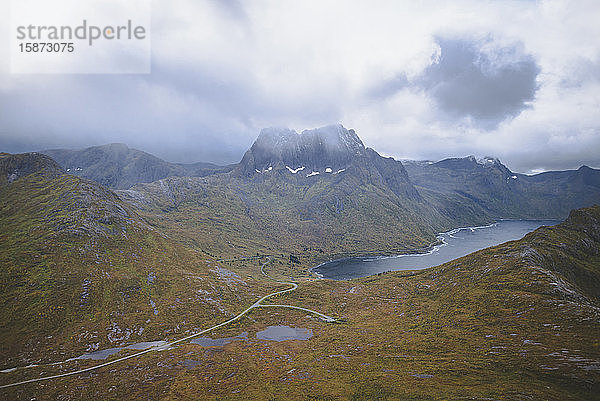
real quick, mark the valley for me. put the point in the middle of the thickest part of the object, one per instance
(92, 264)
(300, 200)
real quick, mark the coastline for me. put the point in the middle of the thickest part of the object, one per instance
(430, 249)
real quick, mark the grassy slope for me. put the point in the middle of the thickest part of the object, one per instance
(515, 321)
(283, 213)
(504, 322)
(79, 270)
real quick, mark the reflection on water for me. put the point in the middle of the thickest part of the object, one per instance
(455, 244)
(105, 353)
(282, 333)
(274, 333)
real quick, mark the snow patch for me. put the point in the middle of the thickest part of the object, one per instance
(294, 170)
(328, 170)
(340, 171)
(313, 173)
(485, 160)
(264, 171)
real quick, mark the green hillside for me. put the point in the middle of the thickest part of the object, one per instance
(515, 321)
(280, 212)
(80, 270)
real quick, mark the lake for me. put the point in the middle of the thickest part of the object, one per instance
(455, 244)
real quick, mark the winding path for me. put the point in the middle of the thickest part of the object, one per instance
(257, 304)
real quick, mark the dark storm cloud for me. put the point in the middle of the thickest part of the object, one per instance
(489, 86)
(473, 78)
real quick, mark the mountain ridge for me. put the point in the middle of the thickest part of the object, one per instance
(72, 160)
(496, 191)
(117, 166)
(313, 190)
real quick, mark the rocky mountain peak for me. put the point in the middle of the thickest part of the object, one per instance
(334, 138)
(330, 148)
(471, 163)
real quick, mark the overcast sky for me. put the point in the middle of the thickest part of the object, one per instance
(518, 80)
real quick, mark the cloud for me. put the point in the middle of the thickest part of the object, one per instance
(480, 80)
(475, 79)
(415, 79)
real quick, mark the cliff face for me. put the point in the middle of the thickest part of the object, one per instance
(332, 147)
(324, 151)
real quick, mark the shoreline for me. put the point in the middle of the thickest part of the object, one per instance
(433, 247)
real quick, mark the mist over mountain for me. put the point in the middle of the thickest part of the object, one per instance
(325, 151)
(119, 167)
(331, 147)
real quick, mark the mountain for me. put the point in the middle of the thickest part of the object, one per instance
(85, 268)
(490, 187)
(320, 190)
(80, 269)
(13, 167)
(462, 191)
(119, 167)
(323, 192)
(328, 150)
